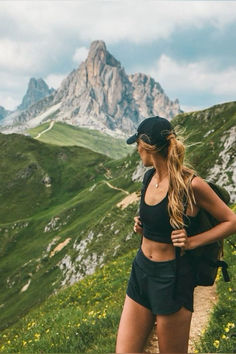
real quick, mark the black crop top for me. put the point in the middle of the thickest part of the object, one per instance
(155, 218)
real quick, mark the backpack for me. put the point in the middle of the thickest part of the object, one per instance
(206, 259)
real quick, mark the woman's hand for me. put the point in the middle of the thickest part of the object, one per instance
(138, 225)
(180, 239)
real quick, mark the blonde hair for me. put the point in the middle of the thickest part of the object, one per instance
(180, 174)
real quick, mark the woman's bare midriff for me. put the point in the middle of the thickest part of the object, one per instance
(158, 251)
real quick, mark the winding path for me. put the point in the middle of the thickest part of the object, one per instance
(44, 131)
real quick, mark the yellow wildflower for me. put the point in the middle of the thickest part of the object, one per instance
(47, 330)
(24, 342)
(230, 324)
(216, 343)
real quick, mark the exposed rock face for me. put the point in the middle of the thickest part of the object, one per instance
(100, 95)
(37, 89)
(150, 97)
(224, 171)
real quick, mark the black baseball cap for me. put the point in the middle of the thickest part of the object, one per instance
(156, 129)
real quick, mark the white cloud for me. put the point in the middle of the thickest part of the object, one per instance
(54, 80)
(80, 55)
(201, 76)
(35, 36)
(9, 102)
(17, 55)
(137, 21)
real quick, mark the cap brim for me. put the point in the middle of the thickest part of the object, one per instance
(132, 139)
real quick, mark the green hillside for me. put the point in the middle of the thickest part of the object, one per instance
(208, 133)
(68, 135)
(84, 317)
(36, 217)
(59, 222)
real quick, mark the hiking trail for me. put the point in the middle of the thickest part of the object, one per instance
(44, 131)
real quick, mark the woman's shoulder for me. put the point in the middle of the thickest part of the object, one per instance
(200, 187)
(148, 174)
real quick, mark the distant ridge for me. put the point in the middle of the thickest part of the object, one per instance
(99, 95)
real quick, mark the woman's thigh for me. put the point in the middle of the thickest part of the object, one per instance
(173, 331)
(136, 323)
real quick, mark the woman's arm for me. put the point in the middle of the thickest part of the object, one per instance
(207, 199)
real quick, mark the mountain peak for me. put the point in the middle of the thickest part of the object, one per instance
(37, 89)
(98, 53)
(97, 45)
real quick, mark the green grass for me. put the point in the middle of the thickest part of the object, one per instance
(203, 150)
(63, 134)
(28, 206)
(32, 205)
(71, 321)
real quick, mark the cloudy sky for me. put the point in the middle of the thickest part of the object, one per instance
(189, 47)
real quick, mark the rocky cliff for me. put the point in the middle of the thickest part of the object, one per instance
(37, 90)
(100, 95)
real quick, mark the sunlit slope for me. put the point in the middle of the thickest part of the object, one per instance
(80, 319)
(67, 135)
(85, 317)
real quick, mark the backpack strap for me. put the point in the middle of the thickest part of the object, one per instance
(217, 264)
(146, 179)
(177, 257)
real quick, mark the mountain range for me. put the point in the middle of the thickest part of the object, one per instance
(98, 95)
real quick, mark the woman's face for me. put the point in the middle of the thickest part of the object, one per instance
(145, 156)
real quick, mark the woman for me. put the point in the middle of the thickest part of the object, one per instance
(153, 293)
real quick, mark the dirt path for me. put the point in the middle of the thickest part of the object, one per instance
(205, 297)
(120, 189)
(44, 131)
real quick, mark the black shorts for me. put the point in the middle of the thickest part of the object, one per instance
(152, 283)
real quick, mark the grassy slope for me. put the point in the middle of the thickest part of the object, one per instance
(71, 321)
(116, 223)
(32, 205)
(203, 150)
(67, 135)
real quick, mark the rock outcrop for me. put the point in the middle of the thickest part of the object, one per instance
(37, 90)
(100, 95)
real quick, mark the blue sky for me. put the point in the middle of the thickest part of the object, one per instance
(187, 46)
